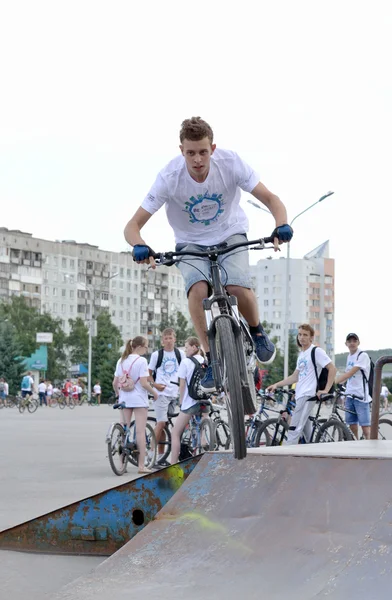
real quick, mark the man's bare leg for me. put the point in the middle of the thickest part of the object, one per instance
(196, 295)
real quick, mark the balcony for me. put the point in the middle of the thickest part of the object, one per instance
(14, 260)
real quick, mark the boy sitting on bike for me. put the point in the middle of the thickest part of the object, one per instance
(189, 406)
(201, 191)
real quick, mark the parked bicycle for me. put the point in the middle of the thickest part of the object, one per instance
(90, 400)
(384, 424)
(199, 434)
(231, 346)
(323, 430)
(122, 446)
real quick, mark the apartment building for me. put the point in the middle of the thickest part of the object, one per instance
(311, 294)
(58, 277)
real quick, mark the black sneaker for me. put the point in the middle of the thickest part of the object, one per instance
(265, 349)
(163, 463)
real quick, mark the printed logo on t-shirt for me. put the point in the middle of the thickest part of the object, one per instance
(350, 364)
(169, 365)
(204, 209)
(303, 367)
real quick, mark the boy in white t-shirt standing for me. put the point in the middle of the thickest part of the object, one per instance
(164, 379)
(306, 383)
(357, 366)
(201, 192)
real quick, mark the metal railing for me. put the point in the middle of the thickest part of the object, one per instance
(384, 360)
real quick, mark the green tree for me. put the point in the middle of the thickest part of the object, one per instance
(180, 325)
(293, 353)
(24, 319)
(11, 362)
(77, 341)
(105, 353)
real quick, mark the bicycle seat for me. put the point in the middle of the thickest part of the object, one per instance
(119, 405)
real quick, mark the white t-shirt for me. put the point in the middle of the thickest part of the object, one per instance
(49, 389)
(27, 383)
(80, 389)
(355, 385)
(97, 389)
(203, 213)
(167, 372)
(384, 391)
(138, 398)
(307, 381)
(6, 388)
(42, 387)
(75, 391)
(185, 372)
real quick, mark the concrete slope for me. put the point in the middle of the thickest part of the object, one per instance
(271, 526)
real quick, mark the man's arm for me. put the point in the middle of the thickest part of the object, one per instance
(331, 377)
(272, 202)
(293, 378)
(132, 232)
(345, 376)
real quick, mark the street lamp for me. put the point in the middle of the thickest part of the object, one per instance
(258, 205)
(287, 286)
(91, 292)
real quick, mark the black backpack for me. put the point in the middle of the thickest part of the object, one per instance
(194, 386)
(369, 381)
(160, 359)
(323, 377)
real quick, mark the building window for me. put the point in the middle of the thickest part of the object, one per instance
(55, 276)
(55, 307)
(121, 314)
(121, 301)
(265, 290)
(114, 285)
(71, 263)
(135, 301)
(122, 272)
(71, 309)
(265, 302)
(265, 278)
(128, 316)
(128, 301)
(128, 272)
(128, 286)
(71, 293)
(113, 313)
(64, 263)
(63, 308)
(46, 291)
(277, 315)
(54, 291)
(277, 290)
(277, 278)
(277, 302)
(63, 293)
(121, 285)
(55, 261)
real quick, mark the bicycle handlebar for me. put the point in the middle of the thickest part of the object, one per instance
(169, 258)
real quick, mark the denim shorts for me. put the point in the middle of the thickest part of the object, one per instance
(361, 410)
(234, 265)
(197, 409)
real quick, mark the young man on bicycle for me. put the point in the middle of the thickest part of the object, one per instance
(201, 192)
(358, 364)
(306, 383)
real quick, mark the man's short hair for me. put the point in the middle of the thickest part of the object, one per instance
(308, 328)
(195, 129)
(168, 331)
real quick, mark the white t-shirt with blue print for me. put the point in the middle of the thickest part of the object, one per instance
(355, 385)
(167, 372)
(307, 381)
(203, 213)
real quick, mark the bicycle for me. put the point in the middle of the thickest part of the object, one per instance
(199, 435)
(29, 402)
(323, 430)
(382, 420)
(90, 400)
(222, 429)
(62, 402)
(12, 401)
(232, 352)
(122, 446)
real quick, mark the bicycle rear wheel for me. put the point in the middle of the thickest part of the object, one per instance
(271, 432)
(222, 435)
(151, 446)
(333, 431)
(62, 404)
(207, 441)
(231, 379)
(71, 403)
(117, 458)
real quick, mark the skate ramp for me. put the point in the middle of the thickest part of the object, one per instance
(271, 526)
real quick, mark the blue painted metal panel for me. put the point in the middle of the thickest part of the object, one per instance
(101, 524)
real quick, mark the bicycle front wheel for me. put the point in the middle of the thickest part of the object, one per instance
(71, 403)
(32, 406)
(333, 431)
(271, 432)
(62, 404)
(231, 379)
(22, 407)
(385, 429)
(207, 440)
(117, 458)
(222, 434)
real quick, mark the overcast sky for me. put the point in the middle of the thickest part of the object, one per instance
(93, 95)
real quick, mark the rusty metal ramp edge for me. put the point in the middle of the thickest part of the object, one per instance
(268, 526)
(99, 525)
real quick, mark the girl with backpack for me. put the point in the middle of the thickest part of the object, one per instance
(189, 406)
(131, 384)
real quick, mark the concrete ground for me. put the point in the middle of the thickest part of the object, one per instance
(49, 459)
